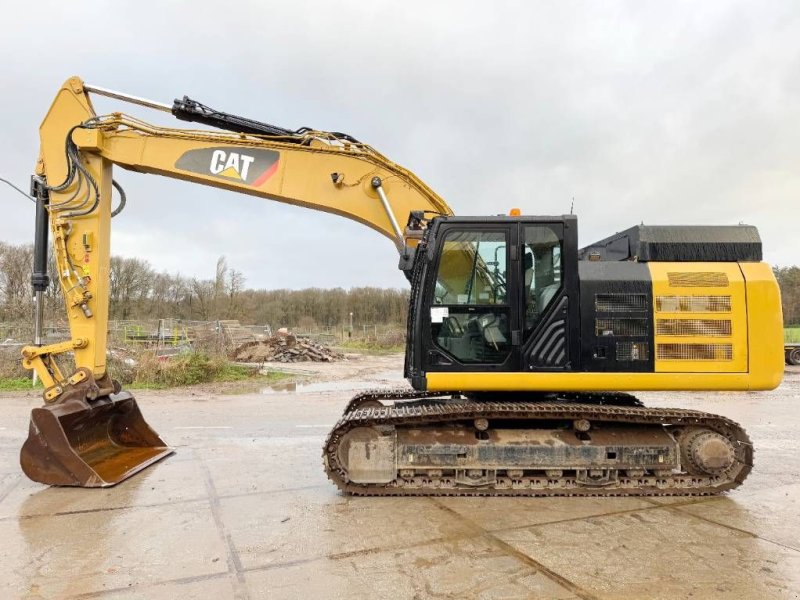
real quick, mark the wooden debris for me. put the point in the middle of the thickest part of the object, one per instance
(284, 348)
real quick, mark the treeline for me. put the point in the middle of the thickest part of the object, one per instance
(789, 280)
(138, 292)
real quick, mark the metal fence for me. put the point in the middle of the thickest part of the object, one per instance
(165, 333)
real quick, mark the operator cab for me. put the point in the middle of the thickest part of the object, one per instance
(495, 294)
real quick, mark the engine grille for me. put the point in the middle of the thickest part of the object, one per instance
(620, 302)
(621, 327)
(693, 303)
(630, 351)
(697, 279)
(716, 352)
(694, 327)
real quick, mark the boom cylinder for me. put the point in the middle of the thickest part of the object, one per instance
(40, 279)
(377, 184)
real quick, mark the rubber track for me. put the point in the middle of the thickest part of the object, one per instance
(414, 414)
(392, 395)
(402, 395)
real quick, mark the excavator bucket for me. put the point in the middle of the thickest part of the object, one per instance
(90, 444)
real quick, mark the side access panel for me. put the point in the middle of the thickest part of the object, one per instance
(700, 318)
(616, 317)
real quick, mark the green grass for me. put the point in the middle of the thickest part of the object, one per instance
(227, 376)
(189, 369)
(186, 369)
(17, 384)
(791, 335)
(252, 384)
(274, 376)
(196, 368)
(145, 385)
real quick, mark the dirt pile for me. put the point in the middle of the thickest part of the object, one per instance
(284, 348)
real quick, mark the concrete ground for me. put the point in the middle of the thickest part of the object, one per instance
(243, 510)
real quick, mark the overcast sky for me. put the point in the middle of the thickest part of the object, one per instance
(656, 112)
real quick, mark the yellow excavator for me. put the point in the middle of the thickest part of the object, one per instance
(522, 348)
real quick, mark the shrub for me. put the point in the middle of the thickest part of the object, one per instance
(189, 368)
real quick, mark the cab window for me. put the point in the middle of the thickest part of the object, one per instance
(470, 312)
(542, 271)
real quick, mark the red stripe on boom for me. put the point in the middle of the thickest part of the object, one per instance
(267, 174)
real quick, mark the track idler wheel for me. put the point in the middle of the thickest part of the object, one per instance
(707, 452)
(368, 455)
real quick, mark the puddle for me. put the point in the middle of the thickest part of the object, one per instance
(385, 379)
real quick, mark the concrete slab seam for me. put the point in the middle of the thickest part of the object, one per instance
(678, 510)
(268, 492)
(570, 519)
(10, 488)
(67, 513)
(521, 556)
(234, 561)
(690, 501)
(147, 586)
(363, 552)
(151, 505)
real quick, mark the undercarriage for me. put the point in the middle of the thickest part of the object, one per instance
(404, 443)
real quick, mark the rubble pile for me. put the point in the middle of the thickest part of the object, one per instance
(285, 348)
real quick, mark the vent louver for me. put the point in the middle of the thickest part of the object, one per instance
(716, 352)
(698, 279)
(694, 327)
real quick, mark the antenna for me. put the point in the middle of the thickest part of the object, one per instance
(572, 206)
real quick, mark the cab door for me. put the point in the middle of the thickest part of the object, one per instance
(471, 319)
(549, 295)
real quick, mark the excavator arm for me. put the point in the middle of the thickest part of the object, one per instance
(327, 171)
(331, 172)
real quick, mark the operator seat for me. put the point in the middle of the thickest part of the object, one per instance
(546, 295)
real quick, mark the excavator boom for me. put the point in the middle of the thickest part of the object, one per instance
(89, 434)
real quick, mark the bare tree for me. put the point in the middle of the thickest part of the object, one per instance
(235, 286)
(202, 299)
(136, 292)
(15, 281)
(130, 282)
(789, 281)
(220, 280)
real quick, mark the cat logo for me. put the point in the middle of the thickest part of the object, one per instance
(235, 165)
(253, 167)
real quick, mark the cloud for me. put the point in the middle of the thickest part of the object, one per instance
(642, 111)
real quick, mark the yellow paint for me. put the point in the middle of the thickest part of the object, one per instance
(659, 272)
(82, 243)
(587, 382)
(70, 108)
(765, 331)
(231, 172)
(41, 359)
